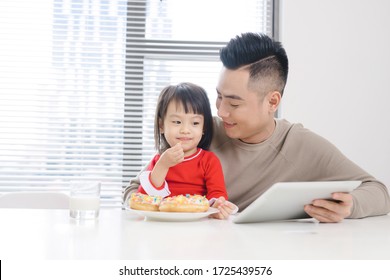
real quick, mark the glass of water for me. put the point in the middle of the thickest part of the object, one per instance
(84, 199)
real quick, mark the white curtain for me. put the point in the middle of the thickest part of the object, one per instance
(79, 81)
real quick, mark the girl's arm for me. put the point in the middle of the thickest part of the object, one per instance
(169, 158)
(226, 208)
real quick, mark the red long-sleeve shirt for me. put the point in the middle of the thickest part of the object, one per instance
(200, 173)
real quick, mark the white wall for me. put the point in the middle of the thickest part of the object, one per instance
(339, 52)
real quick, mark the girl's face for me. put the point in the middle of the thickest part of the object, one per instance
(179, 126)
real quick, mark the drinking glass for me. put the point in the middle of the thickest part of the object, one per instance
(84, 199)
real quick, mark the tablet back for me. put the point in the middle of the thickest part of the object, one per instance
(285, 200)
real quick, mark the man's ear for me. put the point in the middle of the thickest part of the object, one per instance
(274, 99)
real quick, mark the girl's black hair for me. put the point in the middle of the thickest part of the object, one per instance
(194, 100)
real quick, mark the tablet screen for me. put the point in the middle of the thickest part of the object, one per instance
(285, 200)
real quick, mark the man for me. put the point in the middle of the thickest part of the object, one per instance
(256, 150)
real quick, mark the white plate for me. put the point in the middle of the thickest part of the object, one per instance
(173, 216)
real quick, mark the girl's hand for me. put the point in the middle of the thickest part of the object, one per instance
(169, 158)
(172, 156)
(226, 208)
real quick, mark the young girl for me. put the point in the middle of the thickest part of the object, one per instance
(183, 131)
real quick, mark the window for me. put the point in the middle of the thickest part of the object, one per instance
(79, 81)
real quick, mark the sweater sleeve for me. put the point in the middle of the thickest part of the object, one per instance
(132, 186)
(321, 160)
(370, 199)
(135, 183)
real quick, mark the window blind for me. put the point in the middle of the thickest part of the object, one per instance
(79, 81)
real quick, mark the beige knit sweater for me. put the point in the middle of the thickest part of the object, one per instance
(292, 153)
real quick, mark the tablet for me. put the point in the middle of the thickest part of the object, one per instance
(285, 201)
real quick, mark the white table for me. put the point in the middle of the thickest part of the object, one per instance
(118, 234)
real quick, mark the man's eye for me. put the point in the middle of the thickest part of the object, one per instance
(234, 105)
